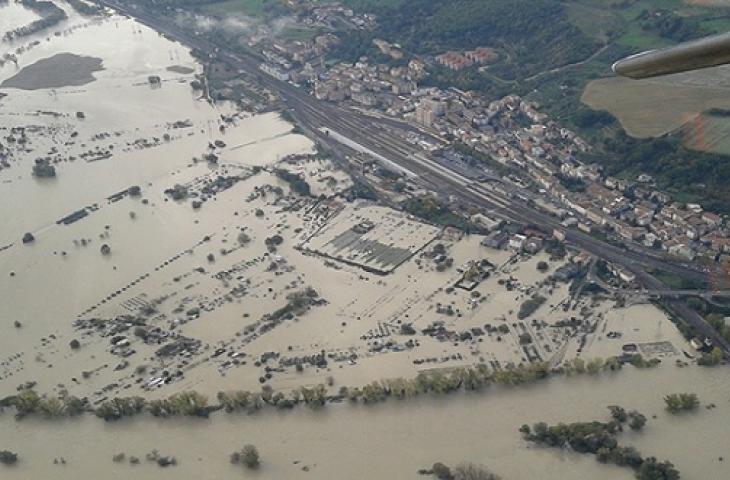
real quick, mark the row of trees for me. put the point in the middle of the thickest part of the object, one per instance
(432, 210)
(84, 7)
(464, 471)
(435, 382)
(190, 404)
(50, 14)
(28, 402)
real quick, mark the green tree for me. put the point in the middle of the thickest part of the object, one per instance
(248, 456)
(8, 458)
(651, 469)
(52, 407)
(26, 402)
(471, 471)
(714, 357)
(441, 471)
(636, 420)
(618, 413)
(681, 402)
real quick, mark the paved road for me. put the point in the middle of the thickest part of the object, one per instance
(381, 136)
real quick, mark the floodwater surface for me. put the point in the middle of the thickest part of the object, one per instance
(395, 439)
(120, 130)
(61, 70)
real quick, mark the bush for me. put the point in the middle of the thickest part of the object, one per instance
(44, 170)
(441, 471)
(470, 471)
(296, 182)
(74, 344)
(248, 457)
(530, 306)
(651, 469)
(243, 239)
(407, 329)
(8, 458)
(681, 402)
(711, 359)
(636, 420)
(117, 408)
(274, 240)
(618, 413)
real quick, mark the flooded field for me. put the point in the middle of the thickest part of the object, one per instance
(62, 70)
(155, 242)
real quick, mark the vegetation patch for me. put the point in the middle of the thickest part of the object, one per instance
(681, 402)
(530, 306)
(599, 439)
(535, 34)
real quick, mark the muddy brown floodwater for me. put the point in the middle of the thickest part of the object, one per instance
(395, 439)
(61, 70)
(117, 131)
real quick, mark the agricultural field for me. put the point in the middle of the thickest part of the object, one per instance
(652, 108)
(251, 8)
(708, 132)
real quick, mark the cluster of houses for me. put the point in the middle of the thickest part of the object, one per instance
(514, 133)
(458, 61)
(643, 215)
(511, 131)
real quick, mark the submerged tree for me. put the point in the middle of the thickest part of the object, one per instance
(681, 402)
(471, 471)
(248, 456)
(7, 457)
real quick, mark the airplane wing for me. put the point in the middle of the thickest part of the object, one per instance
(694, 55)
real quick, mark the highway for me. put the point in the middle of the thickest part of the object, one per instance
(381, 136)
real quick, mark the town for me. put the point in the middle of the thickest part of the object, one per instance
(538, 155)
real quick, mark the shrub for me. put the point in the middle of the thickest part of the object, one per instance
(248, 457)
(530, 306)
(636, 420)
(8, 458)
(471, 471)
(441, 471)
(681, 402)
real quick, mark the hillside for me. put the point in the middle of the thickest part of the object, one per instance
(531, 35)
